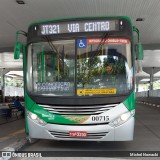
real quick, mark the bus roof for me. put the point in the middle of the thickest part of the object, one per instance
(74, 18)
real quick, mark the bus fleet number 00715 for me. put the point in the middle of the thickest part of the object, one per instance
(100, 118)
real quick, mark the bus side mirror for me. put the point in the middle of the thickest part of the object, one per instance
(17, 50)
(139, 52)
(139, 57)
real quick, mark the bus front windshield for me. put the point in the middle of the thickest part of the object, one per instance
(80, 67)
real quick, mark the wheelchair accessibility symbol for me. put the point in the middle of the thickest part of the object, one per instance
(81, 43)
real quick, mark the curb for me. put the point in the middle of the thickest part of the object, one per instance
(149, 104)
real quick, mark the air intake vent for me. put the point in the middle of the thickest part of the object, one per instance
(80, 110)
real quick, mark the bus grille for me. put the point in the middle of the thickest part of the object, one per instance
(98, 135)
(80, 110)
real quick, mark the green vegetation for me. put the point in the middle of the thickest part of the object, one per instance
(89, 69)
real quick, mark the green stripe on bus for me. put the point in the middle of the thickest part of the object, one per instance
(130, 102)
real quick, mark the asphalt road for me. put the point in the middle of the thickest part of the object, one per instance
(146, 137)
(11, 132)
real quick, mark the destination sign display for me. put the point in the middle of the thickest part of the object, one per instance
(79, 26)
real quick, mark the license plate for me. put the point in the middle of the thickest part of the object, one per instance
(81, 134)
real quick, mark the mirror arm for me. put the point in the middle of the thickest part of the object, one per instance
(135, 29)
(20, 32)
(17, 48)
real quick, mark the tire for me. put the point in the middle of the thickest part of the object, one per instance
(32, 140)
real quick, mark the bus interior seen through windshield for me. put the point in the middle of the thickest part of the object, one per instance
(62, 67)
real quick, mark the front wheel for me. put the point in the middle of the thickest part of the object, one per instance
(32, 140)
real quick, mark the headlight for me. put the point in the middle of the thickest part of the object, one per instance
(122, 118)
(33, 116)
(36, 119)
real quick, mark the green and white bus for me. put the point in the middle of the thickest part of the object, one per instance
(79, 79)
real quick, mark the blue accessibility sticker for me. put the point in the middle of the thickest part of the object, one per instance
(81, 43)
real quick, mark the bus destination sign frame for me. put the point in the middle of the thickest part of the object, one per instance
(79, 26)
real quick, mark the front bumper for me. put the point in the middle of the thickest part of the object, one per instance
(101, 132)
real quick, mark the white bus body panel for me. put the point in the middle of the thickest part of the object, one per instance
(123, 132)
(101, 132)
